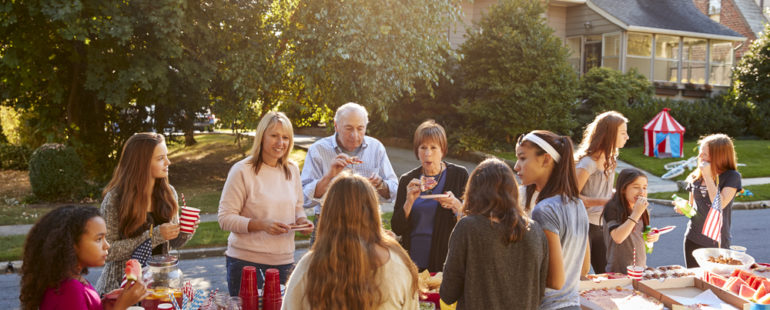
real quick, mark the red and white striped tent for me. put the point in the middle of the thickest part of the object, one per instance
(663, 136)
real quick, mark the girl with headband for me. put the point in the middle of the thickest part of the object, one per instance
(544, 164)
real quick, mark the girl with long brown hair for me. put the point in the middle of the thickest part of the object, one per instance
(595, 171)
(716, 173)
(625, 218)
(139, 197)
(353, 263)
(498, 256)
(544, 162)
(59, 249)
(261, 202)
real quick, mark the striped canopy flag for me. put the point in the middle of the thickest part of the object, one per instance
(712, 228)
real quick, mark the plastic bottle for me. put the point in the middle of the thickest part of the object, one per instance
(647, 245)
(683, 206)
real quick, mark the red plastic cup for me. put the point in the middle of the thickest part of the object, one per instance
(248, 293)
(271, 300)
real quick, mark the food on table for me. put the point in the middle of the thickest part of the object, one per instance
(724, 260)
(355, 160)
(429, 283)
(666, 272)
(133, 270)
(618, 298)
(427, 183)
(746, 292)
(748, 286)
(606, 276)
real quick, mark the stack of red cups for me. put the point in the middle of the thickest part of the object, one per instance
(271, 299)
(248, 293)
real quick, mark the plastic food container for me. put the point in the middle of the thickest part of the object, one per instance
(702, 256)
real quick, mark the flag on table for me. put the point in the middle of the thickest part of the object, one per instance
(712, 228)
(142, 254)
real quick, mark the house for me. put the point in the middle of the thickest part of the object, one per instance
(743, 16)
(682, 51)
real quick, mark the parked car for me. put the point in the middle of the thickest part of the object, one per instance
(204, 121)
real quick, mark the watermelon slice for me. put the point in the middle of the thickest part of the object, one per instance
(743, 274)
(717, 280)
(735, 285)
(761, 292)
(764, 300)
(133, 270)
(746, 292)
(707, 276)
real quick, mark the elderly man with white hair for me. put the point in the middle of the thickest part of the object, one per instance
(348, 148)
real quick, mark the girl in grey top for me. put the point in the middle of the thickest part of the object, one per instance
(544, 161)
(137, 198)
(595, 172)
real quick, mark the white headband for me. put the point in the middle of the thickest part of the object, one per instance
(543, 145)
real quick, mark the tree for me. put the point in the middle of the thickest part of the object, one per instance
(751, 84)
(365, 51)
(516, 77)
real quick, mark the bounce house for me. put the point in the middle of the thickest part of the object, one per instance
(663, 136)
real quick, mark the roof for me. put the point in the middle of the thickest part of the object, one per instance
(752, 14)
(663, 122)
(677, 17)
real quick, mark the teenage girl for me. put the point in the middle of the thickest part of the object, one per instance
(716, 173)
(545, 164)
(58, 251)
(625, 217)
(595, 171)
(139, 204)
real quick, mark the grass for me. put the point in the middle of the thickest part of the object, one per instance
(16, 214)
(761, 192)
(11, 247)
(754, 153)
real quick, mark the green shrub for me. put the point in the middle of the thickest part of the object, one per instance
(516, 78)
(14, 156)
(56, 173)
(603, 89)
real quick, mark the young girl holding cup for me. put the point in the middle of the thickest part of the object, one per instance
(139, 204)
(716, 173)
(625, 217)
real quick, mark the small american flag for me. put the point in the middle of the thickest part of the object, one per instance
(712, 228)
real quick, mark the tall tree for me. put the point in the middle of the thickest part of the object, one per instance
(516, 77)
(751, 84)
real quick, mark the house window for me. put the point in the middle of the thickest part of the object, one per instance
(611, 51)
(694, 61)
(575, 45)
(721, 61)
(666, 66)
(639, 53)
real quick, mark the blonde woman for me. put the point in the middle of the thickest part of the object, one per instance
(353, 263)
(262, 197)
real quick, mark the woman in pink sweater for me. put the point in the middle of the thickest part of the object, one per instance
(261, 201)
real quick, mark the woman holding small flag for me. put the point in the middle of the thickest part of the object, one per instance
(712, 189)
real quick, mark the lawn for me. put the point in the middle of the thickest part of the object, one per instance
(754, 153)
(761, 192)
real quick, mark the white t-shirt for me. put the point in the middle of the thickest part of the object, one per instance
(598, 185)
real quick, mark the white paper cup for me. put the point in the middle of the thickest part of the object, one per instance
(189, 218)
(187, 226)
(635, 272)
(190, 211)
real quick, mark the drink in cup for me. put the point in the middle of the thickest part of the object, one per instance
(189, 217)
(635, 272)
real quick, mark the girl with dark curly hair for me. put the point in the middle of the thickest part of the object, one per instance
(58, 251)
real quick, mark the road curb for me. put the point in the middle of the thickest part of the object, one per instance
(751, 205)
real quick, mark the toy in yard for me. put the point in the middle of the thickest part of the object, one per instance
(676, 168)
(664, 136)
(745, 193)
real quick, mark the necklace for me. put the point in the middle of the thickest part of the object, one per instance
(440, 175)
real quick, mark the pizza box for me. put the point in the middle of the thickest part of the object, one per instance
(608, 284)
(672, 292)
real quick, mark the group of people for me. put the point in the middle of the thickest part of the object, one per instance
(504, 237)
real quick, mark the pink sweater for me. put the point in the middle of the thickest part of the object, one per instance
(72, 294)
(267, 195)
